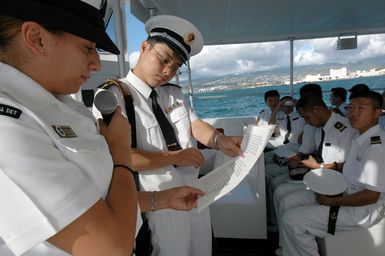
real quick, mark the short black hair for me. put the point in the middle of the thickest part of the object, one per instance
(358, 87)
(271, 93)
(286, 98)
(310, 88)
(375, 97)
(339, 92)
(158, 40)
(309, 101)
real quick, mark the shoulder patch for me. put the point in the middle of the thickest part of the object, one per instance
(10, 111)
(340, 126)
(175, 85)
(107, 84)
(375, 140)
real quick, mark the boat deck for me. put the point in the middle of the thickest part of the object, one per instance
(245, 247)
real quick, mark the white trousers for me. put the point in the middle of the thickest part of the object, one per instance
(271, 172)
(180, 233)
(280, 192)
(306, 220)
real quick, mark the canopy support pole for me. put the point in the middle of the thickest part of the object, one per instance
(119, 18)
(191, 91)
(291, 65)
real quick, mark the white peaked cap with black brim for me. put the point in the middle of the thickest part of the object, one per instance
(83, 18)
(181, 34)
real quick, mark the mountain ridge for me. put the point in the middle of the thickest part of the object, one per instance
(281, 75)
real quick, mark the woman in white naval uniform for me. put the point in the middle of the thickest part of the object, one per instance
(362, 205)
(171, 42)
(64, 188)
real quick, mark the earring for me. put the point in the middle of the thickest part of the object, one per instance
(42, 51)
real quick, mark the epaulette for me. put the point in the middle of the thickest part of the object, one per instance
(375, 140)
(263, 110)
(170, 84)
(340, 126)
(107, 84)
(296, 118)
(10, 111)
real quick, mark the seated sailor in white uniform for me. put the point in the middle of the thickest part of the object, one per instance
(338, 100)
(309, 215)
(333, 139)
(290, 126)
(271, 99)
(382, 117)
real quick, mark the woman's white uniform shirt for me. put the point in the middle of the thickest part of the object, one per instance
(54, 164)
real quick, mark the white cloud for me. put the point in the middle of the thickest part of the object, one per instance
(239, 58)
(133, 58)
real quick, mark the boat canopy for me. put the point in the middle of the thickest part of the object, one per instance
(246, 21)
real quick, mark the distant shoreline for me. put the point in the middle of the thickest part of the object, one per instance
(219, 88)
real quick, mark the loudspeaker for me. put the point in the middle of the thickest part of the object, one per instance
(346, 43)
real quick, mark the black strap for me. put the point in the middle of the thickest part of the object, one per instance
(167, 129)
(318, 153)
(143, 245)
(130, 111)
(288, 127)
(333, 214)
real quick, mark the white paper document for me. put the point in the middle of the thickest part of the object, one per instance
(226, 177)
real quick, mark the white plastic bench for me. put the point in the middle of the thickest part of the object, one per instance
(355, 243)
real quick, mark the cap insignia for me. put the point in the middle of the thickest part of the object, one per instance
(188, 38)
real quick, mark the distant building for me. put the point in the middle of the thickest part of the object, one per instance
(312, 78)
(338, 73)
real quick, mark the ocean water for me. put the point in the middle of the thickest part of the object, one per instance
(250, 101)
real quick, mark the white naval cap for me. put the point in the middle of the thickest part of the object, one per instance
(179, 33)
(325, 181)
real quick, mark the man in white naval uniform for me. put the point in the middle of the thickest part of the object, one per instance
(333, 137)
(171, 42)
(362, 204)
(338, 100)
(290, 126)
(271, 100)
(382, 117)
(307, 142)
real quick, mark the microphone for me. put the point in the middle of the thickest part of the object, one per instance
(106, 102)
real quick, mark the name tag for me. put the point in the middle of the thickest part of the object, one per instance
(10, 111)
(177, 104)
(64, 131)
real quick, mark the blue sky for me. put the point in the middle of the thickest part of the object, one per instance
(135, 31)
